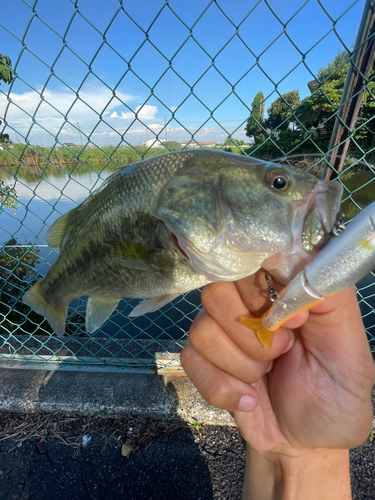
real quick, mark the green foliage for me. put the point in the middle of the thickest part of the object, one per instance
(8, 196)
(235, 142)
(17, 274)
(196, 424)
(240, 142)
(235, 146)
(4, 138)
(6, 72)
(365, 127)
(306, 127)
(171, 146)
(317, 112)
(6, 75)
(281, 111)
(17, 270)
(279, 143)
(32, 161)
(254, 124)
(329, 70)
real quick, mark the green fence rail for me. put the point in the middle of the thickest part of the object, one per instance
(87, 87)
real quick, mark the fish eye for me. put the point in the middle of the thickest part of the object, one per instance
(278, 179)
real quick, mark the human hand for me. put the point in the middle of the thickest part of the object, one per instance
(311, 389)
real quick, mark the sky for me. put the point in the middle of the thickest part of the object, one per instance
(104, 72)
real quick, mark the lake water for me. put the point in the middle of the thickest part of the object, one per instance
(42, 201)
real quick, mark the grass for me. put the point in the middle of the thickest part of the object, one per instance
(30, 162)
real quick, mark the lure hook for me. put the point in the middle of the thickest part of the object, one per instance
(273, 295)
(338, 226)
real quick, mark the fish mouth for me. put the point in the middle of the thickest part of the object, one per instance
(322, 217)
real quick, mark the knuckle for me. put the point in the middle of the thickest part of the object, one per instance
(218, 395)
(184, 355)
(262, 355)
(200, 334)
(210, 296)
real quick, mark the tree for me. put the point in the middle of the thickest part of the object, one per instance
(255, 121)
(365, 126)
(281, 111)
(313, 119)
(8, 196)
(6, 75)
(317, 112)
(331, 69)
(6, 72)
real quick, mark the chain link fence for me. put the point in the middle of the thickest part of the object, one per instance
(87, 87)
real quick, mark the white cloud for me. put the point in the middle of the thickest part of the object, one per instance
(155, 126)
(207, 130)
(146, 112)
(50, 112)
(177, 129)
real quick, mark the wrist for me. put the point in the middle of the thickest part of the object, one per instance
(309, 474)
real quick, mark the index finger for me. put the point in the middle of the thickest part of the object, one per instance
(224, 304)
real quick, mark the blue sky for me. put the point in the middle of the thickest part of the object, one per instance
(97, 69)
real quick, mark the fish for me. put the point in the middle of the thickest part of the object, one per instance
(176, 222)
(344, 261)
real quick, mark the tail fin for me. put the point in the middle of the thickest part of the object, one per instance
(55, 316)
(265, 336)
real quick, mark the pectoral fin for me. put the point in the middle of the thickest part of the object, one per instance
(265, 336)
(151, 305)
(98, 310)
(56, 232)
(130, 254)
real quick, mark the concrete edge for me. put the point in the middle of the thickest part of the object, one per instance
(106, 394)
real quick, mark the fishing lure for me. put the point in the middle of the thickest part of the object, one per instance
(341, 263)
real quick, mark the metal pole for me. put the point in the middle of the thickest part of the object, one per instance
(356, 79)
(79, 131)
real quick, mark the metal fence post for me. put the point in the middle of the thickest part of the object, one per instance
(352, 95)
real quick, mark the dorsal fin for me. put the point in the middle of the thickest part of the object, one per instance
(56, 232)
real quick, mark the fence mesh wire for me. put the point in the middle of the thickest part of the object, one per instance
(172, 54)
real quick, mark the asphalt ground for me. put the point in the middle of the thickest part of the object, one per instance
(43, 457)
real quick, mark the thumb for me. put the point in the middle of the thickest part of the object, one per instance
(334, 333)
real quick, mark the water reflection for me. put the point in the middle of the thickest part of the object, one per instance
(41, 202)
(359, 191)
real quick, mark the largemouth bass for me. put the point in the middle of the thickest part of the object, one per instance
(342, 263)
(175, 222)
